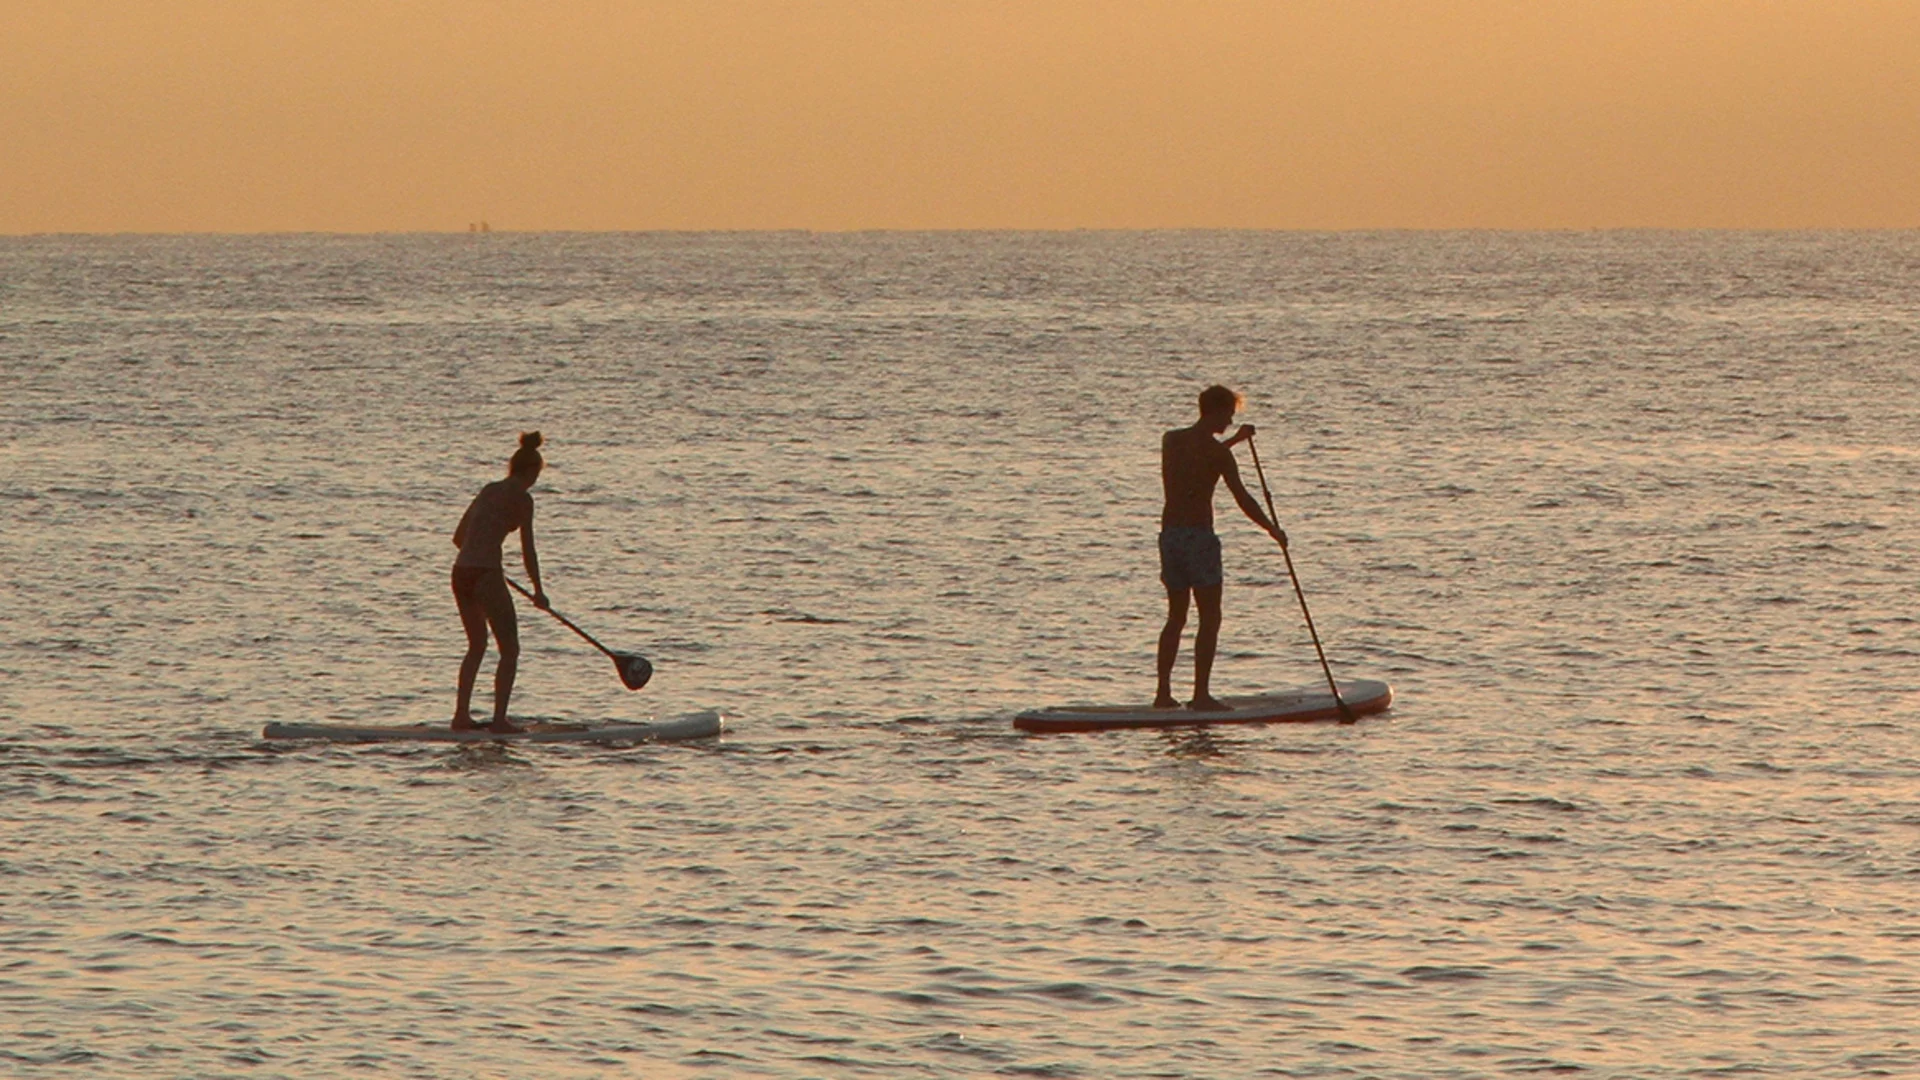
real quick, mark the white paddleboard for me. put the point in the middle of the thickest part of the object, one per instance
(1363, 696)
(699, 725)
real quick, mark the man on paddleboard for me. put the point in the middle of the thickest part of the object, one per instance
(1192, 461)
(480, 584)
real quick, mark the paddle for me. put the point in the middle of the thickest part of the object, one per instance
(634, 670)
(1346, 714)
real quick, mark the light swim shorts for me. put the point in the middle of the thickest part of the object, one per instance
(1190, 558)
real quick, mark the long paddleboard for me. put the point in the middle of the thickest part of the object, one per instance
(1305, 703)
(699, 725)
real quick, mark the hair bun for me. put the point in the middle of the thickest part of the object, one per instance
(530, 440)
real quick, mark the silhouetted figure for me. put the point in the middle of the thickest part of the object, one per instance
(1192, 461)
(480, 584)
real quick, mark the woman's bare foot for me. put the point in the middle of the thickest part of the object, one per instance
(1205, 703)
(1166, 701)
(502, 727)
(464, 723)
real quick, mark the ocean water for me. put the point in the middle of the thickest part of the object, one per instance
(1626, 518)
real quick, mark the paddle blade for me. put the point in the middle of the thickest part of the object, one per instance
(634, 670)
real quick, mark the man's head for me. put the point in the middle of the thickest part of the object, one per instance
(1218, 404)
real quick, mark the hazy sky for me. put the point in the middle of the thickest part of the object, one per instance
(358, 115)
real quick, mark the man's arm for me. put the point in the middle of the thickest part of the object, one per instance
(1230, 472)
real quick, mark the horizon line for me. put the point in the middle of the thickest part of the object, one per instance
(1056, 230)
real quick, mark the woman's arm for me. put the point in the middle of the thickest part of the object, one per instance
(531, 557)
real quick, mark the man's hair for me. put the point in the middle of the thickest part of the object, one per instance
(1219, 397)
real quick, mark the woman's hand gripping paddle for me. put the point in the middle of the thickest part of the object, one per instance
(1346, 714)
(634, 670)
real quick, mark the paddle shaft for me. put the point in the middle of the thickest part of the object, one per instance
(1346, 714)
(566, 622)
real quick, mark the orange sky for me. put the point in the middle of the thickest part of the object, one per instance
(365, 115)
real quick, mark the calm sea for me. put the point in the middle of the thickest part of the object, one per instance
(1628, 519)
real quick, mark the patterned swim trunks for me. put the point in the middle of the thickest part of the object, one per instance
(1189, 558)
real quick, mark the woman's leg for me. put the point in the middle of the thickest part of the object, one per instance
(506, 634)
(473, 618)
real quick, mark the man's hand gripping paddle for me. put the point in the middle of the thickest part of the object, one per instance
(1346, 714)
(634, 670)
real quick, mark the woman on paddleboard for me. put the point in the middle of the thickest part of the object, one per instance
(480, 584)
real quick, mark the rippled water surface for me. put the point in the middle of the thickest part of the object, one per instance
(1627, 520)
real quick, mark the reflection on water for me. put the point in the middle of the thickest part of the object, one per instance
(1192, 743)
(1625, 518)
(482, 757)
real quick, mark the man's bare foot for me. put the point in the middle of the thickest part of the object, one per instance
(1166, 701)
(1205, 703)
(502, 727)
